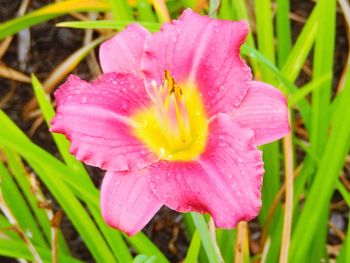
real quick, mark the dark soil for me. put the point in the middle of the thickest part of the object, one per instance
(50, 46)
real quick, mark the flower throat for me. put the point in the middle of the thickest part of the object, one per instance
(174, 126)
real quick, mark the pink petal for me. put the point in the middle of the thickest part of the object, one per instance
(205, 50)
(225, 181)
(264, 110)
(127, 203)
(123, 53)
(94, 117)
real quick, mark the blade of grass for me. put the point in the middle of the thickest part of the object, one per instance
(144, 246)
(32, 152)
(120, 10)
(16, 249)
(325, 178)
(161, 10)
(113, 238)
(76, 213)
(226, 241)
(107, 24)
(6, 210)
(7, 230)
(49, 12)
(193, 250)
(9, 73)
(145, 12)
(240, 10)
(323, 63)
(307, 89)
(283, 30)
(226, 11)
(19, 208)
(344, 255)
(61, 142)
(214, 7)
(344, 192)
(18, 171)
(242, 244)
(62, 70)
(289, 176)
(21, 144)
(265, 37)
(204, 234)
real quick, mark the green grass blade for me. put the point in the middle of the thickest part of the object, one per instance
(283, 30)
(6, 229)
(302, 47)
(107, 24)
(120, 10)
(226, 239)
(240, 12)
(325, 178)
(113, 237)
(19, 208)
(226, 11)
(18, 171)
(61, 142)
(145, 11)
(214, 7)
(16, 249)
(344, 192)
(76, 213)
(12, 137)
(144, 246)
(344, 255)
(323, 63)
(49, 12)
(193, 250)
(264, 27)
(265, 37)
(204, 234)
(307, 89)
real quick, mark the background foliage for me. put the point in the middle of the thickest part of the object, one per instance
(306, 188)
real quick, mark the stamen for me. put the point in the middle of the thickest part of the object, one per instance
(171, 111)
(173, 126)
(185, 121)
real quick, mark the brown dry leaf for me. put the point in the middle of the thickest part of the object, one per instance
(4, 46)
(9, 73)
(61, 71)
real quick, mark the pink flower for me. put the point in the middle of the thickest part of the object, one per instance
(175, 120)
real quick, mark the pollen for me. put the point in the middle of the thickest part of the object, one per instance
(175, 125)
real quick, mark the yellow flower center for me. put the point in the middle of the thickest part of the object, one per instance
(175, 127)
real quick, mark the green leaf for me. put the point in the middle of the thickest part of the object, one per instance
(107, 24)
(19, 208)
(327, 173)
(16, 249)
(193, 250)
(49, 12)
(113, 237)
(284, 36)
(204, 234)
(120, 9)
(144, 246)
(300, 94)
(18, 171)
